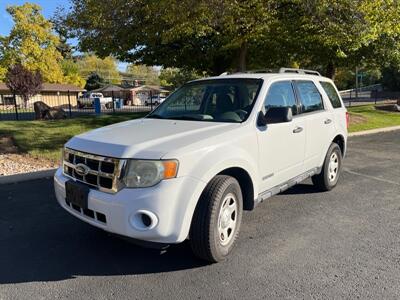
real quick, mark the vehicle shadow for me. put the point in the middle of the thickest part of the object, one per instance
(301, 188)
(39, 241)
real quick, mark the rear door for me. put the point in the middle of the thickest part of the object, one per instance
(319, 121)
(281, 145)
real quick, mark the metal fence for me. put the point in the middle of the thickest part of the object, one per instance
(12, 107)
(373, 94)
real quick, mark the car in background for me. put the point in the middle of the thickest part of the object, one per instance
(154, 100)
(87, 100)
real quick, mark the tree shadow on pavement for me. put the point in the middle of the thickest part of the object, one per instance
(39, 241)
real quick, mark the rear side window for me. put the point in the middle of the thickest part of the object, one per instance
(332, 94)
(281, 94)
(310, 98)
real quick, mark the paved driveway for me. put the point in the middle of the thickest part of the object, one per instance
(300, 244)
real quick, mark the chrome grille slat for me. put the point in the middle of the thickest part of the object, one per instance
(106, 182)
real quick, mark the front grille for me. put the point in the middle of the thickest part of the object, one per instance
(96, 171)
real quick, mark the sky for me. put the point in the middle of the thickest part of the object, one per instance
(48, 9)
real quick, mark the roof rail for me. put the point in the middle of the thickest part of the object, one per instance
(281, 70)
(299, 71)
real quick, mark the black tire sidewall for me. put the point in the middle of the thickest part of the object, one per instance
(221, 251)
(333, 148)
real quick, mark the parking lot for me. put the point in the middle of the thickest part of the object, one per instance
(299, 244)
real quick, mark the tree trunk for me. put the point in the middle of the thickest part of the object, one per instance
(331, 70)
(242, 57)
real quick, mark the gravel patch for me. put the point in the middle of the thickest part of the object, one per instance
(12, 162)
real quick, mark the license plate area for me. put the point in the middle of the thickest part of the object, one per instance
(77, 193)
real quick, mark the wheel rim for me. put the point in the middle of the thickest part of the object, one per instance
(227, 219)
(333, 167)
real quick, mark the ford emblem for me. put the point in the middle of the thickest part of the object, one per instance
(82, 170)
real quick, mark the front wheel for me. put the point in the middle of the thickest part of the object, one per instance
(217, 219)
(329, 176)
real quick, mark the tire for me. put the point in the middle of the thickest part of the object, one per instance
(217, 219)
(329, 176)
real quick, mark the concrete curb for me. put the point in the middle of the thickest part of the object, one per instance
(26, 176)
(372, 131)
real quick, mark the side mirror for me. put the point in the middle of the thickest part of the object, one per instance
(261, 120)
(279, 115)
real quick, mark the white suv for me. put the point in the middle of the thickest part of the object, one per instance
(214, 148)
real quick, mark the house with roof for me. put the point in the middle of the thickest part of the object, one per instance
(53, 94)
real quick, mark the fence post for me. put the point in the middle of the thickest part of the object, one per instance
(376, 96)
(16, 107)
(151, 101)
(69, 104)
(113, 101)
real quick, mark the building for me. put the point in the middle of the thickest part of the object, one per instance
(53, 94)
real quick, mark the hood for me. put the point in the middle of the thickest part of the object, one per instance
(145, 138)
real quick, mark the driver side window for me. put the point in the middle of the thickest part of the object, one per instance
(281, 94)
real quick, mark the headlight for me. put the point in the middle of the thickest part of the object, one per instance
(145, 173)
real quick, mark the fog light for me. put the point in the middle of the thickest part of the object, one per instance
(146, 220)
(143, 220)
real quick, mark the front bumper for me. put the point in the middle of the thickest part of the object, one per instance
(170, 204)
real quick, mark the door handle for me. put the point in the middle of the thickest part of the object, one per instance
(298, 129)
(328, 121)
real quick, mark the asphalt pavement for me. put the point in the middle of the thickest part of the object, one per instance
(300, 244)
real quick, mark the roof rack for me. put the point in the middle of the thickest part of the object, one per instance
(299, 71)
(281, 70)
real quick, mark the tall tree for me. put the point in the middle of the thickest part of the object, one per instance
(71, 73)
(23, 82)
(32, 43)
(218, 35)
(333, 34)
(106, 68)
(209, 35)
(94, 81)
(174, 77)
(142, 72)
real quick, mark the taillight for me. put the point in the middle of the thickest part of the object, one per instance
(347, 119)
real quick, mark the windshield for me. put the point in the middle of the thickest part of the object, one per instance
(217, 100)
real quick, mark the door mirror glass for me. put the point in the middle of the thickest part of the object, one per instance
(278, 115)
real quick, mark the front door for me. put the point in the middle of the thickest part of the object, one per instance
(282, 145)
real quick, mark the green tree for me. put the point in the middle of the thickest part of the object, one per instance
(206, 35)
(32, 43)
(142, 72)
(71, 73)
(106, 68)
(174, 77)
(94, 81)
(220, 35)
(347, 33)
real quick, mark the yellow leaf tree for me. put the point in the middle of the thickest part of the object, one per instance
(32, 43)
(106, 68)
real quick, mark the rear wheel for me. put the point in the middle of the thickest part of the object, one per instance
(330, 172)
(217, 219)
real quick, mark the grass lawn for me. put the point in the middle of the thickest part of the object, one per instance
(367, 117)
(45, 138)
